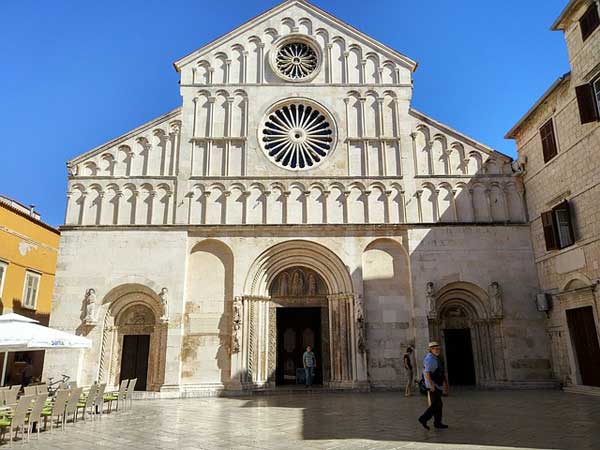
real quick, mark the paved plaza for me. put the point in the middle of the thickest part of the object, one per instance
(478, 420)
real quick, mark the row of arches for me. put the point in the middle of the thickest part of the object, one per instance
(244, 62)
(436, 154)
(477, 202)
(371, 114)
(117, 204)
(337, 203)
(221, 114)
(297, 203)
(152, 153)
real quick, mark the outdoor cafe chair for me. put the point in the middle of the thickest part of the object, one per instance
(29, 390)
(10, 396)
(56, 410)
(118, 396)
(87, 403)
(18, 419)
(71, 409)
(99, 401)
(36, 413)
(130, 389)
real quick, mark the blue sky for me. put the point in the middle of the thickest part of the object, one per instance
(76, 74)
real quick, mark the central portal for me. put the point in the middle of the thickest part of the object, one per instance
(296, 329)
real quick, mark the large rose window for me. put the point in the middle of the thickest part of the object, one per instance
(297, 134)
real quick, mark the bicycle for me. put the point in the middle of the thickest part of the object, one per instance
(54, 386)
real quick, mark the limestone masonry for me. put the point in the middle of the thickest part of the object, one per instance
(296, 198)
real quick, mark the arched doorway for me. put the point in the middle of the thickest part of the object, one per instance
(134, 340)
(470, 335)
(299, 296)
(456, 325)
(309, 268)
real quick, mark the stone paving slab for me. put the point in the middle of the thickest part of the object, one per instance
(479, 420)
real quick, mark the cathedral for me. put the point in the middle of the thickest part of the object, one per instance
(295, 198)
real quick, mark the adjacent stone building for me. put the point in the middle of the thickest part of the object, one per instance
(296, 198)
(558, 143)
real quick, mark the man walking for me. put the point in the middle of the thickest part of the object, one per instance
(435, 380)
(408, 370)
(310, 362)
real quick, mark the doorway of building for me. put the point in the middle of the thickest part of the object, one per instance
(134, 359)
(459, 357)
(585, 341)
(296, 329)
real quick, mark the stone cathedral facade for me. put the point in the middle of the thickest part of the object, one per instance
(295, 198)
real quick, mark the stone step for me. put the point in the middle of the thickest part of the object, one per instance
(585, 390)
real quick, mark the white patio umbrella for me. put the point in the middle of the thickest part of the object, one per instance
(20, 334)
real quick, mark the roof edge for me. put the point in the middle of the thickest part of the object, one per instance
(179, 63)
(557, 25)
(558, 82)
(451, 130)
(172, 113)
(39, 222)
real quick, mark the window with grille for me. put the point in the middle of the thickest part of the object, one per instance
(548, 141)
(30, 290)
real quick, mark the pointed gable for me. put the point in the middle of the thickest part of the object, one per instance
(238, 57)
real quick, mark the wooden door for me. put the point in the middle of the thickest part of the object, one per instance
(134, 359)
(585, 341)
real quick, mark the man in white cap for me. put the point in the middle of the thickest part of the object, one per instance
(435, 380)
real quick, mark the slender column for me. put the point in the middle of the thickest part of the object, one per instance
(454, 208)
(305, 199)
(380, 117)
(403, 206)
(380, 75)
(115, 219)
(244, 67)
(436, 206)
(211, 72)
(387, 207)
(413, 136)
(419, 194)
(471, 197)
(345, 68)
(68, 213)
(285, 195)
(326, 195)
(363, 71)
(361, 129)
(347, 103)
(261, 64)
(505, 204)
(227, 71)
(328, 48)
(488, 202)
(345, 206)
(175, 136)
(524, 213)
